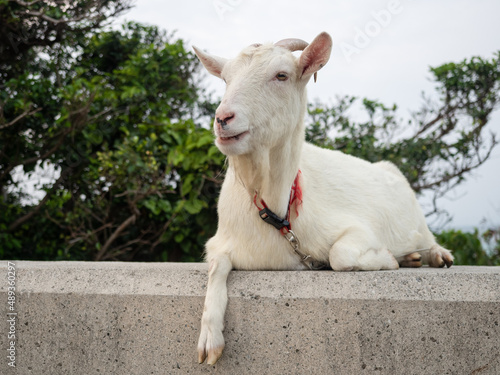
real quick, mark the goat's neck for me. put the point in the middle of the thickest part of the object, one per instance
(270, 173)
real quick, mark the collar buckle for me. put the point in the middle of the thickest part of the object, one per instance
(271, 218)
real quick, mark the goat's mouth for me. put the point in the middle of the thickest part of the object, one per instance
(234, 138)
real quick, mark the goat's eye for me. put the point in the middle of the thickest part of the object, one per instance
(281, 76)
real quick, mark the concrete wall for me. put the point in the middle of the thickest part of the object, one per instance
(143, 318)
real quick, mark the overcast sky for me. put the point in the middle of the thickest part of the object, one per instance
(382, 50)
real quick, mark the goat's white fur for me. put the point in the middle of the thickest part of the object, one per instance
(355, 215)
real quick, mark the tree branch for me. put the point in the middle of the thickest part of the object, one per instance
(438, 118)
(36, 158)
(459, 171)
(30, 214)
(20, 117)
(75, 125)
(48, 18)
(113, 237)
(163, 230)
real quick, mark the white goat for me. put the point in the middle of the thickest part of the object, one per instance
(348, 214)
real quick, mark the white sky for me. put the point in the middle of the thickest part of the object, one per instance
(405, 38)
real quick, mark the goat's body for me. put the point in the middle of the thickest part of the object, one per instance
(334, 201)
(354, 215)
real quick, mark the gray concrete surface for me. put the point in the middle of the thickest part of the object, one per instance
(143, 318)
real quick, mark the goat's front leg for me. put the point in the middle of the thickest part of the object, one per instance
(211, 342)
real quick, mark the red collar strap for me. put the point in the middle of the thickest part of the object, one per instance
(282, 224)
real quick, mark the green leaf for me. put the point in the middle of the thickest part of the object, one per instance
(205, 139)
(194, 206)
(153, 206)
(187, 184)
(165, 205)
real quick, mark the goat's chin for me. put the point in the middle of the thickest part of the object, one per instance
(236, 145)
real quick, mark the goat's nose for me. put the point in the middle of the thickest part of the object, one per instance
(223, 119)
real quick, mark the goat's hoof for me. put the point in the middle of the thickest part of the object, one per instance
(210, 347)
(212, 355)
(413, 260)
(445, 262)
(440, 257)
(202, 355)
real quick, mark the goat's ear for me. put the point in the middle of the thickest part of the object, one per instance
(316, 55)
(213, 64)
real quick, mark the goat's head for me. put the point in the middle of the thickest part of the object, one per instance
(265, 96)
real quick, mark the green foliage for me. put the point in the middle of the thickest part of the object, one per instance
(471, 248)
(30, 27)
(119, 115)
(120, 124)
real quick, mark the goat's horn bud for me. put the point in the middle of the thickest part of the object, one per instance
(292, 44)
